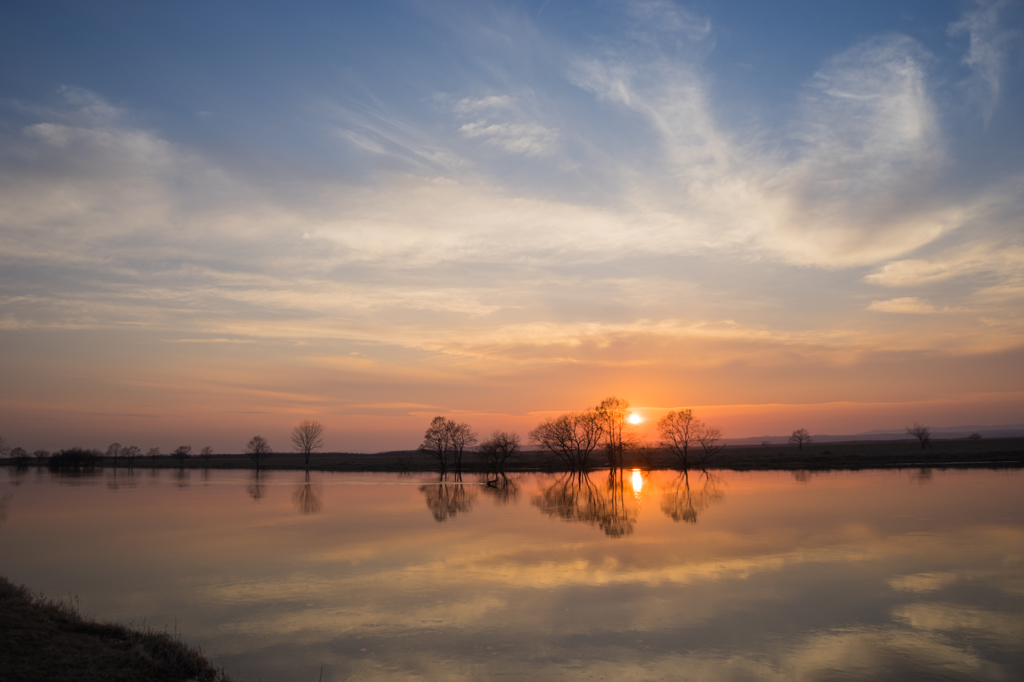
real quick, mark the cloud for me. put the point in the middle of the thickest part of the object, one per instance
(907, 304)
(1004, 260)
(528, 139)
(986, 54)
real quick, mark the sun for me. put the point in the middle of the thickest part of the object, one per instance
(634, 418)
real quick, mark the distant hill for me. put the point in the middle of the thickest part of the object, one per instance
(938, 433)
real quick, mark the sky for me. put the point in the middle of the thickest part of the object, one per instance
(220, 218)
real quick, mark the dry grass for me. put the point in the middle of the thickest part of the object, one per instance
(49, 640)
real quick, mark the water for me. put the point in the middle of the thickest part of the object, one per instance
(645, 576)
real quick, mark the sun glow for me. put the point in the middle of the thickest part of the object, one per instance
(634, 418)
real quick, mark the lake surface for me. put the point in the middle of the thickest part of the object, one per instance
(638, 576)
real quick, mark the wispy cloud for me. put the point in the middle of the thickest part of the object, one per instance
(906, 304)
(986, 54)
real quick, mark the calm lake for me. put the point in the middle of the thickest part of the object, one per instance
(640, 576)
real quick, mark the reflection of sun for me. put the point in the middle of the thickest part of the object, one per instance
(635, 418)
(638, 482)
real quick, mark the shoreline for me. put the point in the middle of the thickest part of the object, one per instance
(984, 453)
(45, 640)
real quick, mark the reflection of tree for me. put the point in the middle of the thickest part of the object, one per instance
(256, 487)
(501, 488)
(575, 497)
(446, 499)
(183, 478)
(684, 500)
(306, 499)
(125, 481)
(923, 475)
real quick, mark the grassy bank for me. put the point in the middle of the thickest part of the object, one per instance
(50, 641)
(989, 452)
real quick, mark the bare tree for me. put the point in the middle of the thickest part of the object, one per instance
(258, 450)
(41, 455)
(800, 436)
(20, 456)
(307, 437)
(446, 440)
(206, 453)
(708, 437)
(182, 452)
(497, 450)
(113, 452)
(461, 437)
(618, 436)
(130, 453)
(678, 431)
(4, 449)
(571, 437)
(436, 442)
(153, 453)
(921, 433)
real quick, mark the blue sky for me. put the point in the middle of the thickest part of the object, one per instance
(373, 213)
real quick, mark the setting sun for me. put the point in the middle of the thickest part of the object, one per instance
(635, 418)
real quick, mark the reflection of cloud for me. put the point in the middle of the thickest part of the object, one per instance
(922, 582)
(1007, 628)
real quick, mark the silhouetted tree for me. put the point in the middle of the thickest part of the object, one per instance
(571, 437)
(41, 455)
(446, 499)
(498, 449)
(20, 456)
(153, 453)
(306, 499)
(678, 431)
(446, 440)
(800, 436)
(75, 459)
(921, 433)
(4, 449)
(258, 450)
(708, 437)
(206, 453)
(181, 453)
(130, 453)
(113, 452)
(618, 437)
(307, 437)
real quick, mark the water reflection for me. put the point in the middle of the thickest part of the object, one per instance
(861, 575)
(922, 475)
(124, 480)
(5, 502)
(500, 488)
(684, 500)
(183, 478)
(256, 487)
(448, 497)
(575, 497)
(306, 498)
